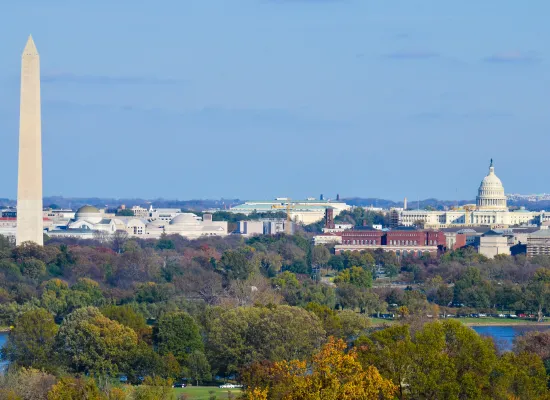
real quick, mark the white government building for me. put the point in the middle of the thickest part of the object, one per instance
(304, 212)
(89, 222)
(490, 210)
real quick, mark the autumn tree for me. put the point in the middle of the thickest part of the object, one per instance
(69, 388)
(320, 255)
(154, 388)
(333, 374)
(25, 384)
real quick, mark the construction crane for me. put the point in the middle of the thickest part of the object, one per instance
(289, 206)
(288, 227)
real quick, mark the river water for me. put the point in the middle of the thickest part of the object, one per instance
(3, 339)
(504, 335)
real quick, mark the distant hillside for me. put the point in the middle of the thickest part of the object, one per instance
(205, 204)
(435, 203)
(76, 202)
(440, 204)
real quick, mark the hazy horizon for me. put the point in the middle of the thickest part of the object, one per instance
(266, 98)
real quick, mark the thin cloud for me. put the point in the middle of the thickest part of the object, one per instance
(513, 57)
(412, 55)
(105, 79)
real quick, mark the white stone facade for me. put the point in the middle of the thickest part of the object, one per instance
(490, 210)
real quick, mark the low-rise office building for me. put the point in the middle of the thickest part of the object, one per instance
(538, 243)
(301, 211)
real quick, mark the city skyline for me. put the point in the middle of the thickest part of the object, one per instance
(306, 105)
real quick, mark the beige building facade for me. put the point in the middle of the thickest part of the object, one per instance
(538, 243)
(493, 243)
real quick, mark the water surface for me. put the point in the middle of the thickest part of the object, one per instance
(504, 335)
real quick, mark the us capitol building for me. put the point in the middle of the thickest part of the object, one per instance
(490, 210)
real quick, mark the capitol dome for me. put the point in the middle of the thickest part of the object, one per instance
(491, 192)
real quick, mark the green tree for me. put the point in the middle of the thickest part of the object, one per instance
(31, 341)
(358, 259)
(269, 263)
(125, 212)
(144, 361)
(236, 265)
(178, 334)
(198, 367)
(538, 292)
(164, 243)
(450, 360)
(336, 262)
(286, 280)
(90, 342)
(237, 337)
(126, 316)
(519, 376)
(391, 351)
(33, 268)
(356, 276)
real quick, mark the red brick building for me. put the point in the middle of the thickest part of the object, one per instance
(406, 242)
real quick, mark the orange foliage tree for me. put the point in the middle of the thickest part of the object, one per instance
(333, 374)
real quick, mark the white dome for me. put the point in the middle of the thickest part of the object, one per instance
(87, 210)
(184, 219)
(88, 213)
(491, 194)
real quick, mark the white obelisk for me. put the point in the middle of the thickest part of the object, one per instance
(30, 225)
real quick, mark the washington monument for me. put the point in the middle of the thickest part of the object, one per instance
(30, 225)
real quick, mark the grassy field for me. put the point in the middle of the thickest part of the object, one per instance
(499, 321)
(202, 392)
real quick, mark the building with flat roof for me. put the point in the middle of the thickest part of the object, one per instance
(538, 243)
(493, 243)
(402, 242)
(264, 227)
(301, 211)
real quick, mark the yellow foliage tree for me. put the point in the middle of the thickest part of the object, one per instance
(334, 374)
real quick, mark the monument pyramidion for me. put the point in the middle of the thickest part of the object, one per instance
(30, 225)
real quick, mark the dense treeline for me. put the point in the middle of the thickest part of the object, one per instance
(272, 311)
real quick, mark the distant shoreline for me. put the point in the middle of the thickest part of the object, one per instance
(519, 323)
(468, 322)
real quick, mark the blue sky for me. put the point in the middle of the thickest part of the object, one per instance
(264, 98)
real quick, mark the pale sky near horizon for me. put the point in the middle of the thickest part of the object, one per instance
(265, 98)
